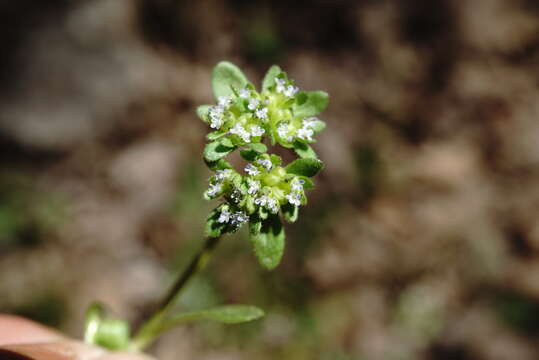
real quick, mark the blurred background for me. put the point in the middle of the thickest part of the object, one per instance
(421, 240)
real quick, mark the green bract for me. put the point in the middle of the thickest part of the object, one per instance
(243, 119)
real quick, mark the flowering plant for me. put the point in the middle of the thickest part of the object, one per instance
(262, 193)
(243, 119)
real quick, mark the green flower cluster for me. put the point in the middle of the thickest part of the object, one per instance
(243, 119)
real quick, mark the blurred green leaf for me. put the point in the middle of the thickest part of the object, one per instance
(220, 164)
(308, 183)
(226, 77)
(304, 150)
(269, 242)
(310, 103)
(305, 167)
(227, 314)
(112, 334)
(202, 112)
(214, 135)
(258, 147)
(218, 149)
(269, 79)
(290, 212)
(249, 154)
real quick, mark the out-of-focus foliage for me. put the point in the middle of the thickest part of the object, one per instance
(421, 241)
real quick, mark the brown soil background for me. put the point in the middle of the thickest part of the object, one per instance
(421, 240)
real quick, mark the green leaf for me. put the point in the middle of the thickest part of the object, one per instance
(269, 242)
(220, 164)
(225, 77)
(216, 150)
(305, 167)
(301, 97)
(276, 159)
(308, 183)
(202, 112)
(290, 212)
(113, 334)
(269, 79)
(249, 154)
(259, 147)
(227, 314)
(93, 317)
(255, 225)
(214, 135)
(213, 227)
(310, 103)
(318, 126)
(227, 142)
(253, 150)
(304, 150)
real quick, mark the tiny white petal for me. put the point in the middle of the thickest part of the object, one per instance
(262, 113)
(294, 199)
(257, 131)
(238, 218)
(265, 163)
(214, 189)
(224, 101)
(305, 134)
(253, 104)
(224, 217)
(251, 170)
(282, 130)
(222, 174)
(290, 91)
(310, 122)
(244, 93)
(280, 85)
(254, 186)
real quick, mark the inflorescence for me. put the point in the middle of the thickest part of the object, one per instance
(245, 119)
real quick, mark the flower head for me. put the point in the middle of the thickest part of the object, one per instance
(247, 120)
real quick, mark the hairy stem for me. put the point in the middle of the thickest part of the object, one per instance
(151, 328)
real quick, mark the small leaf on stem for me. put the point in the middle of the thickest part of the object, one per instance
(305, 167)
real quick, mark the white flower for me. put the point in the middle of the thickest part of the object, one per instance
(241, 132)
(236, 196)
(224, 101)
(290, 91)
(283, 130)
(214, 189)
(310, 122)
(268, 202)
(216, 116)
(257, 131)
(253, 104)
(238, 218)
(265, 163)
(262, 113)
(221, 175)
(254, 186)
(306, 134)
(262, 201)
(244, 93)
(224, 217)
(280, 85)
(294, 198)
(297, 185)
(251, 170)
(273, 205)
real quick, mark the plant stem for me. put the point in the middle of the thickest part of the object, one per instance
(151, 328)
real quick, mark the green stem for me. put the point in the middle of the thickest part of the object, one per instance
(152, 327)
